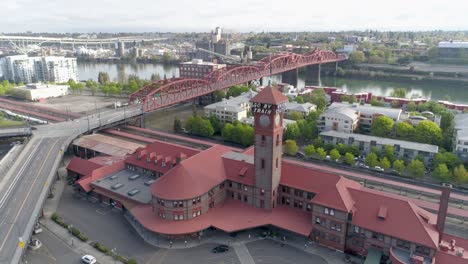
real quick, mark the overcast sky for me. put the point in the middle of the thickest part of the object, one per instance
(237, 15)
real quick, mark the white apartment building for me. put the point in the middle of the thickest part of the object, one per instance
(368, 113)
(403, 149)
(304, 109)
(22, 68)
(230, 110)
(461, 136)
(342, 119)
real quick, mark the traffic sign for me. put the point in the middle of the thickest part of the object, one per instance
(21, 243)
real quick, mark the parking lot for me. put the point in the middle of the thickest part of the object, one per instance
(272, 252)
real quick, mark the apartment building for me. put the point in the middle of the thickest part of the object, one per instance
(403, 149)
(342, 119)
(198, 68)
(461, 136)
(232, 109)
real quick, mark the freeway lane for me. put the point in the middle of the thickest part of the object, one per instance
(18, 204)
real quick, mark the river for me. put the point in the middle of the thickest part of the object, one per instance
(435, 91)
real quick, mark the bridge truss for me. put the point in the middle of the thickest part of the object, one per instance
(176, 90)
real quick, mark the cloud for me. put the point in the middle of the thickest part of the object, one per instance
(240, 15)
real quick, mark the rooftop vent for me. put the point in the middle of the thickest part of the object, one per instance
(134, 177)
(382, 212)
(133, 192)
(117, 186)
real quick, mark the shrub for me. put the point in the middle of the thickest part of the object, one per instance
(102, 248)
(131, 261)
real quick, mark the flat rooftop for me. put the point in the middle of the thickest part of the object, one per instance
(107, 145)
(124, 181)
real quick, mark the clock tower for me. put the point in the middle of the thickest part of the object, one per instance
(267, 108)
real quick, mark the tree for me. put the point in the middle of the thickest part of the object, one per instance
(219, 95)
(428, 132)
(199, 126)
(382, 126)
(349, 159)
(177, 125)
(375, 102)
(416, 168)
(217, 126)
(404, 131)
(399, 166)
(290, 147)
(318, 98)
(342, 148)
(300, 99)
(372, 160)
(385, 163)
(237, 90)
(103, 78)
(357, 57)
(447, 158)
(335, 154)
(294, 115)
(411, 106)
(321, 153)
(309, 150)
(353, 149)
(460, 174)
(399, 93)
(389, 152)
(292, 131)
(442, 173)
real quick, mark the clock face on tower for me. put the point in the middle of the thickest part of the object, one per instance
(277, 119)
(264, 120)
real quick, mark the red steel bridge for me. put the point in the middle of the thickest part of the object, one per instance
(172, 91)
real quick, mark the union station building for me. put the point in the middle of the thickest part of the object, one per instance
(176, 191)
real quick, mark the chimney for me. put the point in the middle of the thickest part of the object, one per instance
(443, 207)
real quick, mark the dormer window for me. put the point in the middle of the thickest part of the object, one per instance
(156, 162)
(326, 211)
(163, 164)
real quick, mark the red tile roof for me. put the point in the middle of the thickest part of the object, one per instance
(82, 166)
(193, 176)
(231, 216)
(159, 150)
(270, 95)
(239, 171)
(403, 219)
(331, 190)
(98, 174)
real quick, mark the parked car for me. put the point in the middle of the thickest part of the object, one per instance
(88, 259)
(364, 166)
(37, 229)
(378, 168)
(220, 249)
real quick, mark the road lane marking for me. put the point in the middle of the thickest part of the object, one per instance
(27, 196)
(15, 180)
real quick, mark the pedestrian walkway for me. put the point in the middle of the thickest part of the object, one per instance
(243, 253)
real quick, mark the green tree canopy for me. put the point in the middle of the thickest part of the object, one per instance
(321, 152)
(372, 160)
(385, 163)
(349, 159)
(309, 150)
(399, 165)
(294, 115)
(353, 149)
(399, 93)
(428, 132)
(177, 124)
(342, 148)
(449, 159)
(389, 152)
(357, 57)
(404, 131)
(292, 131)
(335, 154)
(382, 126)
(460, 175)
(411, 106)
(290, 147)
(416, 168)
(442, 173)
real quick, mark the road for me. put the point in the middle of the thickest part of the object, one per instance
(24, 189)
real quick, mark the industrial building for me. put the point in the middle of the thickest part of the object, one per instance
(198, 68)
(163, 191)
(452, 49)
(38, 92)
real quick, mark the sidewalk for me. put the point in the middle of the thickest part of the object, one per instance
(63, 234)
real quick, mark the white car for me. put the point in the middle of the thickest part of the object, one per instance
(377, 168)
(88, 259)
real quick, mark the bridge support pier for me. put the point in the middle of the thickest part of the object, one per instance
(290, 77)
(313, 74)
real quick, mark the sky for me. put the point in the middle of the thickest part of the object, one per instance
(237, 16)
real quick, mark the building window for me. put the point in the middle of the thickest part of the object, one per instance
(263, 164)
(403, 244)
(317, 220)
(262, 204)
(309, 207)
(263, 140)
(262, 192)
(276, 162)
(326, 211)
(356, 229)
(277, 140)
(422, 250)
(245, 188)
(332, 212)
(378, 236)
(245, 198)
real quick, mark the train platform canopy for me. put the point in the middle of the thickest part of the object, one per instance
(107, 145)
